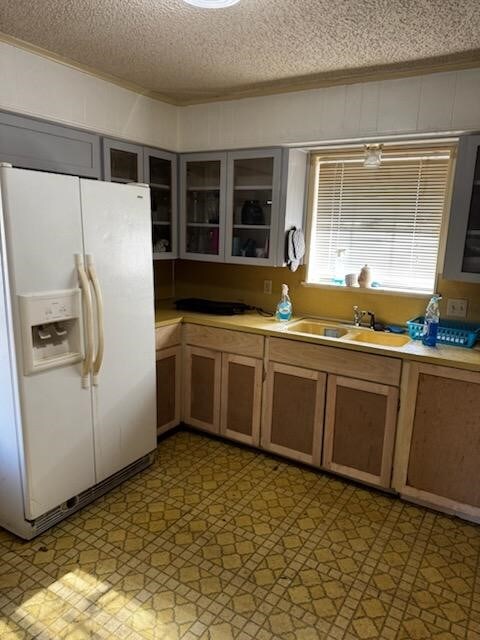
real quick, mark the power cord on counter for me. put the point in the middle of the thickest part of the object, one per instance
(262, 312)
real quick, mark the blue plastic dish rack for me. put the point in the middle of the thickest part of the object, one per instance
(457, 334)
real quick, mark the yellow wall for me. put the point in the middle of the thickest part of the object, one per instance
(163, 276)
(245, 284)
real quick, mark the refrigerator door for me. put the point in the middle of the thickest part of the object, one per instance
(43, 231)
(117, 236)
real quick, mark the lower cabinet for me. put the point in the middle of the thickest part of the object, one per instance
(203, 369)
(293, 412)
(437, 459)
(241, 398)
(360, 420)
(168, 388)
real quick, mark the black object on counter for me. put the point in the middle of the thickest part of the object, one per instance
(200, 305)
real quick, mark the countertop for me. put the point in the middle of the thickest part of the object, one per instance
(458, 357)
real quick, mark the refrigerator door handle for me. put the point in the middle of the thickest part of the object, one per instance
(100, 324)
(87, 295)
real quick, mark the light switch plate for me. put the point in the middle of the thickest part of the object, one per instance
(457, 308)
(267, 287)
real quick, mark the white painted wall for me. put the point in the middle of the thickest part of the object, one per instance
(442, 102)
(439, 102)
(33, 85)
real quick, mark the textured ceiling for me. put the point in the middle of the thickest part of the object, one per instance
(189, 55)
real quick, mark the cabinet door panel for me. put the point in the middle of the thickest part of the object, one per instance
(445, 447)
(122, 161)
(202, 388)
(168, 388)
(253, 206)
(241, 398)
(462, 253)
(160, 172)
(202, 206)
(438, 445)
(293, 420)
(359, 429)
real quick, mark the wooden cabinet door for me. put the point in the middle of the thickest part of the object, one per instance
(360, 421)
(438, 447)
(241, 390)
(292, 423)
(168, 388)
(202, 388)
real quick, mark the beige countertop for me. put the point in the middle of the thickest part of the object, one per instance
(459, 357)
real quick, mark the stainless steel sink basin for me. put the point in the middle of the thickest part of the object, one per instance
(317, 328)
(380, 338)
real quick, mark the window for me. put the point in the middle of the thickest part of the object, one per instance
(387, 216)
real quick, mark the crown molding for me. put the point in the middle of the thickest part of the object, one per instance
(377, 73)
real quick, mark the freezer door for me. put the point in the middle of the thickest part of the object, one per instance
(43, 229)
(117, 235)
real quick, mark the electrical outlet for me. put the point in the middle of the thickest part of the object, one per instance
(457, 308)
(267, 287)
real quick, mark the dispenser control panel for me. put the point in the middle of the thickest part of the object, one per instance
(51, 307)
(51, 329)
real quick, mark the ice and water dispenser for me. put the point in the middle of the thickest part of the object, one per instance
(51, 329)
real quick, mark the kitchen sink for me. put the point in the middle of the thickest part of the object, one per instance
(380, 338)
(317, 328)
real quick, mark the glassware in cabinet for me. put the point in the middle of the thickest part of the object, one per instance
(160, 174)
(203, 196)
(253, 205)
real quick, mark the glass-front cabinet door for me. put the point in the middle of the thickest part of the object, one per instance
(462, 257)
(161, 174)
(253, 201)
(202, 206)
(122, 161)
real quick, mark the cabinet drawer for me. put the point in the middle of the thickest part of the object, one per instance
(336, 360)
(168, 336)
(237, 342)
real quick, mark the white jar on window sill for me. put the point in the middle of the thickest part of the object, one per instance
(365, 277)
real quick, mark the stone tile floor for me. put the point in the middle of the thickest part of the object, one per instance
(217, 542)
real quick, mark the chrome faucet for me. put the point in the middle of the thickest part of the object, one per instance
(358, 316)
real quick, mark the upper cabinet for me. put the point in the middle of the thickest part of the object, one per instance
(125, 162)
(253, 206)
(202, 206)
(160, 172)
(237, 206)
(462, 257)
(35, 144)
(122, 161)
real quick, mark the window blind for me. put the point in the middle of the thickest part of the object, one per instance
(388, 217)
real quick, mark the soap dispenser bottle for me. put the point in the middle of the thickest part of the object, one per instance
(284, 307)
(430, 325)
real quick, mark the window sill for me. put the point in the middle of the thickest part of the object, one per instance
(375, 291)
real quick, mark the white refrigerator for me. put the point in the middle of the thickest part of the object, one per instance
(77, 343)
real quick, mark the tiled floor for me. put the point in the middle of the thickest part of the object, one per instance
(221, 542)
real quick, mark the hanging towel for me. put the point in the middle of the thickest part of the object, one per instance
(295, 248)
